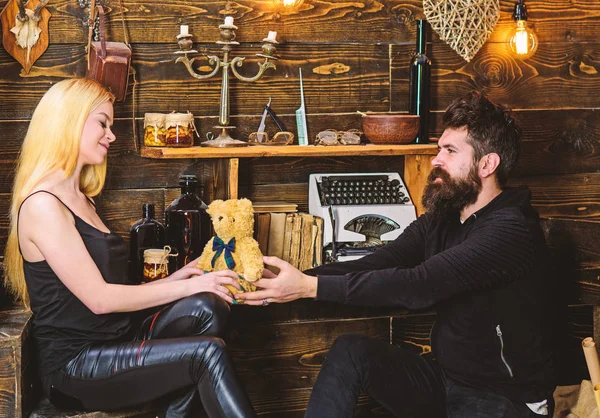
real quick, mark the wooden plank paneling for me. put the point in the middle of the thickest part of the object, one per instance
(560, 75)
(158, 22)
(318, 21)
(121, 208)
(279, 363)
(305, 310)
(268, 171)
(164, 86)
(576, 257)
(565, 196)
(554, 141)
(411, 331)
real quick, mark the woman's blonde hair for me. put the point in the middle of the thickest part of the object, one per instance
(52, 144)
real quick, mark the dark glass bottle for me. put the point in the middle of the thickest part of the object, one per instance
(144, 234)
(420, 83)
(188, 224)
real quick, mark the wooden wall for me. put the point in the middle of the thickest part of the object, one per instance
(354, 56)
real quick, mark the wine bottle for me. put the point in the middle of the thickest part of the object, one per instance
(420, 83)
(188, 224)
(144, 234)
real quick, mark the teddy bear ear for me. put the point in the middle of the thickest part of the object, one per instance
(244, 205)
(214, 206)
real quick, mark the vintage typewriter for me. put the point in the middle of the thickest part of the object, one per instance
(361, 211)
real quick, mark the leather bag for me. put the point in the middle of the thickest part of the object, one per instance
(109, 62)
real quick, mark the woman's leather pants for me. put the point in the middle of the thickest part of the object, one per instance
(177, 354)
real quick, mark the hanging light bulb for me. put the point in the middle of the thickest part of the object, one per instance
(522, 41)
(288, 4)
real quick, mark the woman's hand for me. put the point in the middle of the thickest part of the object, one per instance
(183, 273)
(290, 284)
(186, 272)
(215, 282)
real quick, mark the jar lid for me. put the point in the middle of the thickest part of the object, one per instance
(156, 119)
(173, 119)
(158, 255)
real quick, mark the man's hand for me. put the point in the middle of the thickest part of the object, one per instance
(290, 284)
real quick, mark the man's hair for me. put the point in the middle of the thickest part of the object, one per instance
(491, 128)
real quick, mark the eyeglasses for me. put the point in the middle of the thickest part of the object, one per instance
(262, 138)
(333, 137)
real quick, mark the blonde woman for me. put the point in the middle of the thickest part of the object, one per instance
(63, 262)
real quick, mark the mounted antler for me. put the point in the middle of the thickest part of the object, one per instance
(38, 10)
(22, 16)
(26, 29)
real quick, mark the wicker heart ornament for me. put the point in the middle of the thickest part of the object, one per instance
(465, 25)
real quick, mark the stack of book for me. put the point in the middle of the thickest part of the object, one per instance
(290, 235)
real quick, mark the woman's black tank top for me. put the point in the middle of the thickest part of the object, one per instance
(62, 324)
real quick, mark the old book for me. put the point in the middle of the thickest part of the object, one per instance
(296, 238)
(287, 236)
(313, 238)
(276, 237)
(306, 242)
(262, 224)
(318, 252)
(274, 206)
(276, 233)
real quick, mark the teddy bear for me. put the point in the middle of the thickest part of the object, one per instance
(233, 247)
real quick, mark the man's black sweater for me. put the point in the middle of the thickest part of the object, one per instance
(489, 279)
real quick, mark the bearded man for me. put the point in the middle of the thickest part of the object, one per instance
(478, 256)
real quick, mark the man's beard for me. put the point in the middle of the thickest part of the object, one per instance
(450, 195)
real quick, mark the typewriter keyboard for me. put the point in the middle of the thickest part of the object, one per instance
(361, 190)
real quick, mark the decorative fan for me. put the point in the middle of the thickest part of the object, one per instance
(465, 25)
(371, 226)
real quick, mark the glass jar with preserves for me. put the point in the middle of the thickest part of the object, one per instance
(155, 132)
(180, 127)
(156, 263)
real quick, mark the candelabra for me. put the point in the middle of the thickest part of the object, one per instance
(227, 40)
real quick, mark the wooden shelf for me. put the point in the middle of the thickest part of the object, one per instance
(289, 151)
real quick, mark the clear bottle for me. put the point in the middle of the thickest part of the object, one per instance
(420, 83)
(188, 224)
(144, 234)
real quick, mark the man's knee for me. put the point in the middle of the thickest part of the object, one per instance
(348, 347)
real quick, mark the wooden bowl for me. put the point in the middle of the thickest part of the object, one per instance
(391, 129)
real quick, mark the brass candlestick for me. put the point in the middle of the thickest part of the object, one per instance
(227, 35)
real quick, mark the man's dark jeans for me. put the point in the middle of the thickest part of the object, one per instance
(404, 382)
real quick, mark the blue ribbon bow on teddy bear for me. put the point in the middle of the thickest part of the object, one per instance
(219, 246)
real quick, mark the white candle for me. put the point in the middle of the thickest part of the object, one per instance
(228, 20)
(272, 35)
(184, 29)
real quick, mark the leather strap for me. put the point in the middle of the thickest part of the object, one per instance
(123, 23)
(91, 30)
(102, 32)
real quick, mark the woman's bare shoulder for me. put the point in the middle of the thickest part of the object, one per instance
(43, 205)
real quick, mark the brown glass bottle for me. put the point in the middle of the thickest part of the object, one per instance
(144, 234)
(188, 224)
